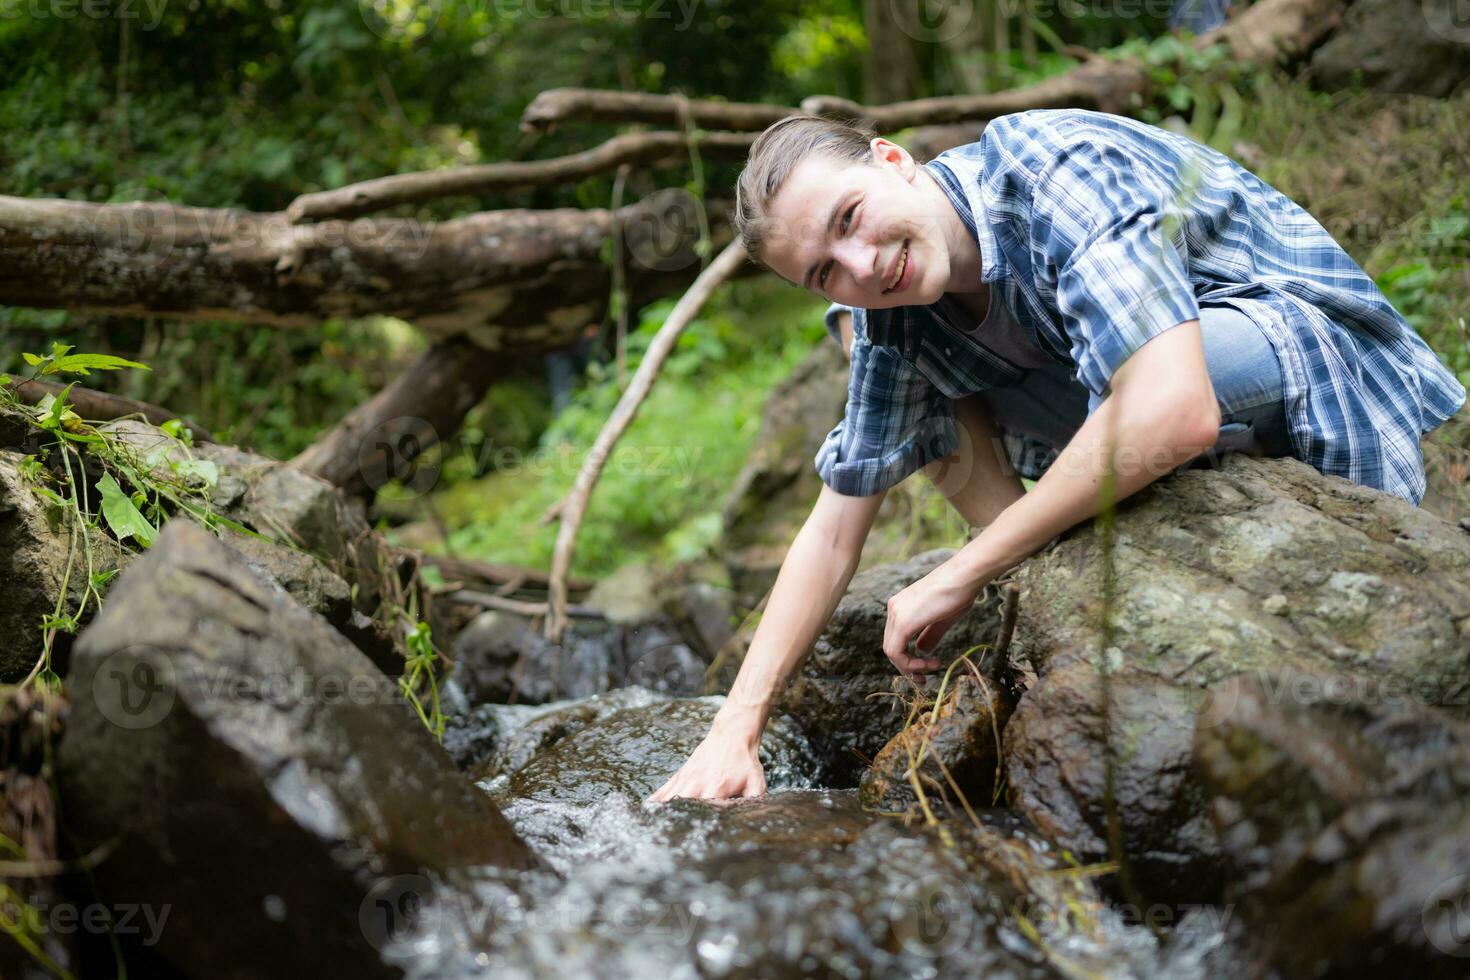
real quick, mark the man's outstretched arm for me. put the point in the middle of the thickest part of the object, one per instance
(820, 563)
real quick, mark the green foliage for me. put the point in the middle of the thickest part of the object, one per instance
(122, 514)
(661, 490)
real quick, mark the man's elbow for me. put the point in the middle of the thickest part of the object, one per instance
(1194, 422)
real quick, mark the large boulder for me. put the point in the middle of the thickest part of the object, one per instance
(1263, 564)
(1344, 813)
(254, 768)
(848, 696)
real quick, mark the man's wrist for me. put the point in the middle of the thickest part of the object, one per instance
(740, 720)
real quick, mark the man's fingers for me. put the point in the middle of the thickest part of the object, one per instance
(933, 633)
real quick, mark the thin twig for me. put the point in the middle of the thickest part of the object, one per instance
(571, 509)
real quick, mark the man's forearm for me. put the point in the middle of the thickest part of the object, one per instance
(1137, 446)
(818, 566)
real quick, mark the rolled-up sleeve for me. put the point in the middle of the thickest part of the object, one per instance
(1111, 227)
(830, 319)
(896, 422)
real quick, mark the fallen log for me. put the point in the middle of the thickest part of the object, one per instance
(515, 281)
(600, 105)
(101, 406)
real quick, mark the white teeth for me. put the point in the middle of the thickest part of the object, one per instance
(903, 261)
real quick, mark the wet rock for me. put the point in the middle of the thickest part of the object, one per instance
(845, 696)
(277, 501)
(256, 770)
(773, 494)
(38, 559)
(499, 739)
(1344, 814)
(632, 752)
(956, 749)
(1259, 565)
(803, 882)
(504, 657)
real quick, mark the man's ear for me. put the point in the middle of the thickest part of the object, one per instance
(887, 153)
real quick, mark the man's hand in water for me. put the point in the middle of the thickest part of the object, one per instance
(724, 765)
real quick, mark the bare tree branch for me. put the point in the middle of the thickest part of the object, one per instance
(599, 105)
(573, 507)
(416, 188)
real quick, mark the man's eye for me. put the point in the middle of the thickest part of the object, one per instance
(847, 218)
(822, 276)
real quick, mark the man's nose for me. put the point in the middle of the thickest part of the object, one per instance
(860, 259)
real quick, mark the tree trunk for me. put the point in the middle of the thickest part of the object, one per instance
(387, 437)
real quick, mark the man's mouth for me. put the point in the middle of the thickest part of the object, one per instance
(896, 279)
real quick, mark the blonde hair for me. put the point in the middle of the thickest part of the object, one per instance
(773, 157)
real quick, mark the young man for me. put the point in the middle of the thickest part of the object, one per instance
(1091, 293)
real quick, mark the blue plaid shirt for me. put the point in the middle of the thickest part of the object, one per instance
(1098, 233)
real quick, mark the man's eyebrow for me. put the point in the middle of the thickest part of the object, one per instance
(831, 220)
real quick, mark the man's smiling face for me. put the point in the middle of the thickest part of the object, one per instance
(861, 234)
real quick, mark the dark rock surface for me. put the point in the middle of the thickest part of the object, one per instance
(35, 551)
(504, 657)
(956, 748)
(258, 770)
(1344, 813)
(1264, 564)
(844, 696)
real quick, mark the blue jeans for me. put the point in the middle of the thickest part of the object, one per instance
(1050, 405)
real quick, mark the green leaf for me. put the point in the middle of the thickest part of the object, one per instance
(32, 359)
(122, 516)
(79, 364)
(180, 431)
(202, 470)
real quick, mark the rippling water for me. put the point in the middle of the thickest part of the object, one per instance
(803, 882)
